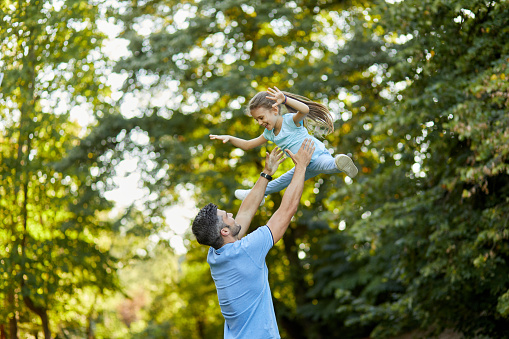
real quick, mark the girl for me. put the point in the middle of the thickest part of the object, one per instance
(288, 132)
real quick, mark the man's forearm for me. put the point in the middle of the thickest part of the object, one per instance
(250, 205)
(280, 220)
(256, 194)
(293, 192)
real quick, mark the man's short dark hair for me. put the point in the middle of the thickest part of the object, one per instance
(207, 227)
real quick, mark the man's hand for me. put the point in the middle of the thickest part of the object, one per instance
(273, 160)
(303, 156)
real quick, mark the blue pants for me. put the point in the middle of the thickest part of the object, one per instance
(323, 164)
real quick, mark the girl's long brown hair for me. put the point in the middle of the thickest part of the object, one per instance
(318, 117)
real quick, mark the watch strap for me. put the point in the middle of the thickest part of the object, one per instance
(266, 176)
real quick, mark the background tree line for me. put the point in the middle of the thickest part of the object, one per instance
(417, 243)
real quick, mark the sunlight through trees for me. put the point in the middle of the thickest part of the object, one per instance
(416, 244)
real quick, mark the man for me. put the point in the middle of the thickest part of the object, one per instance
(237, 264)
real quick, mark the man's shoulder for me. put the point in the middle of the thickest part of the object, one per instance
(261, 232)
(263, 228)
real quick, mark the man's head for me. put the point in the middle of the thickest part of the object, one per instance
(212, 226)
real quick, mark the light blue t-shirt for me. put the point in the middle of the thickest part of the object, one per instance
(291, 137)
(241, 277)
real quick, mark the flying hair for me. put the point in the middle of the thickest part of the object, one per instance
(318, 121)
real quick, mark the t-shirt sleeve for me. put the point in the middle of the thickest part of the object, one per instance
(288, 119)
(258, 243)
(267, 135)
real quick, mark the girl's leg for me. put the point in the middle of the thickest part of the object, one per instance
(323, 164)
(327, 164)
(280, 183)
(273, 186)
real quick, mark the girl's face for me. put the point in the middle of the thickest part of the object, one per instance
(265, 117)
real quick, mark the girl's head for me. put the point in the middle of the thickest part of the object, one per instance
(319, 117)
(260, 100)
(261, 109)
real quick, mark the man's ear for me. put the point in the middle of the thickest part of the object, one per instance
(225, 231)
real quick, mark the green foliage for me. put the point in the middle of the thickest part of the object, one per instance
(440, 187)
(54, 242)
(418, 241)
(419, 91)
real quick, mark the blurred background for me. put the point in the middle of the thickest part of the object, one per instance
(105, 111)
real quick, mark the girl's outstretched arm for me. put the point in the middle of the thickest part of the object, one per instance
(280, 98)
(240, 143)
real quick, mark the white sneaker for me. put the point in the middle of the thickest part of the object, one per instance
(344, 163)
(242, 194)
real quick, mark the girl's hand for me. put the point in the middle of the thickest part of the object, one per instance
(225, 138)
(276, 95)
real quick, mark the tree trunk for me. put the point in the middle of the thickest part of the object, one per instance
(300, 286)
(2, 332)
(294, 328)
(90, 327)
(13, 328)
(42, 313)
(39, 310)
(200, 324)
(297, 273)
(23, 160)
(13, 322)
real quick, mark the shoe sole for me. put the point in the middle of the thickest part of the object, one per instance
(344, 163)
(238, 196)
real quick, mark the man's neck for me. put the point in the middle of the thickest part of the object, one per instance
(229, 240)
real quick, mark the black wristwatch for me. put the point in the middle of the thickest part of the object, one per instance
(266, 176)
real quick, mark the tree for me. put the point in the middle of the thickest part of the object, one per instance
(420, 96)
(428, 219)
(54, 242)
(210, 64)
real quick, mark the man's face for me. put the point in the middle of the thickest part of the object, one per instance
(227, 218)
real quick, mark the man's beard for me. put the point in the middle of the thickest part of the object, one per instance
(235, 229)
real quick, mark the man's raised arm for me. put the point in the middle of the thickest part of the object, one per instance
(251, 203)
(279, 222)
